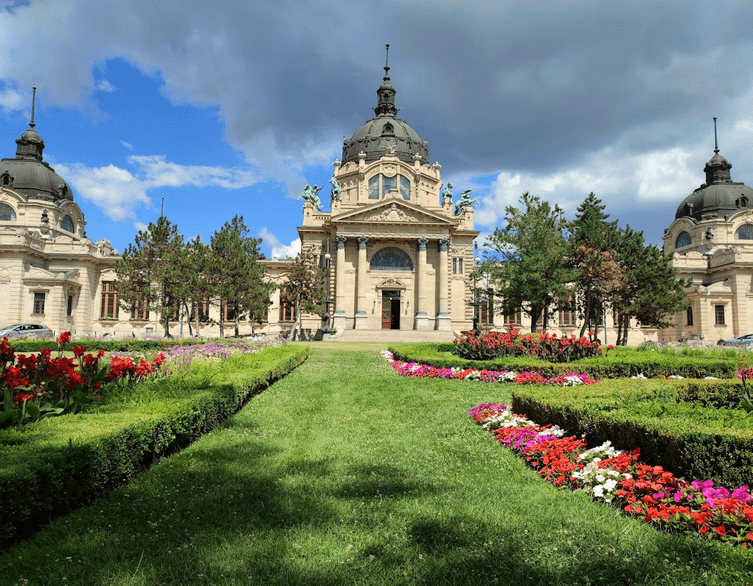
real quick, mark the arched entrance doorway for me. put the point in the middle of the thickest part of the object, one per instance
(390, 310)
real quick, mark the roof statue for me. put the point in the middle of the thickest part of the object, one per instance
(447, 190)
(310, 194)
(335, 192)
(465, 201)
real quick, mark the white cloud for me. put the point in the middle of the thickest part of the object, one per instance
(10, 99)
(280, 250)
(119, 192)
(127, 145)
(105, 86)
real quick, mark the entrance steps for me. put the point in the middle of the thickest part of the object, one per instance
(395, 336)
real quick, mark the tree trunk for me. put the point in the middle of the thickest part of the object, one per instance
(198, 318)
(587, 317)
(222, 318)
(237, 325)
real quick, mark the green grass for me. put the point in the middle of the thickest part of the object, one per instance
(345, 473)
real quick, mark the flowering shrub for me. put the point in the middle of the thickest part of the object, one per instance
(38, 386)
(489, 376)
(648, 492)
(489, 345)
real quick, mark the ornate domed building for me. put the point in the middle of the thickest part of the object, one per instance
(711, 242)
(400, 252)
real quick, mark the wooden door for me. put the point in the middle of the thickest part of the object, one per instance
(386, 313)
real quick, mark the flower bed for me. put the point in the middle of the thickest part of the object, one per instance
(490, 376)
(647, 492)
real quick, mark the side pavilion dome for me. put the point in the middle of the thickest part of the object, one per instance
(385, 131)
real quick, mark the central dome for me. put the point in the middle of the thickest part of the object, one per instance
(719, 196)
(385, 132)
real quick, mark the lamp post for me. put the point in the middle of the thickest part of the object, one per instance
(476, 261)
(327, 300)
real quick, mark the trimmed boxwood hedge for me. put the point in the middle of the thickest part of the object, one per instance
(660, 417)
(66, 462)
(126, 345)
(619, 363)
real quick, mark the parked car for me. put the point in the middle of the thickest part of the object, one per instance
(26, 330)
(746, 339)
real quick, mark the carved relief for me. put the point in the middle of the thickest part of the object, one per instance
(393, 214)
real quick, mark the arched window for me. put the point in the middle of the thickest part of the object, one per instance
(744, 232)
(683, 239)
(7, 213)
(380, 186)
(387, 130)
(391, 259)
(66, 223)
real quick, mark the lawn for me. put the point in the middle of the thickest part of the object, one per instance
(346, 473)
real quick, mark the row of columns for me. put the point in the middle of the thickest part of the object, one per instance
(422, 316)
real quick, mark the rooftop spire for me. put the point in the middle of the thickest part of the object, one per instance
(386, 93)
(34, 101)
(717, 169)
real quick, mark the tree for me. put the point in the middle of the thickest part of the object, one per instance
(592, 255)
(198, 279)
(236, 275)
(529, 268)
(651, 291)
(304, 289)
(149, 275)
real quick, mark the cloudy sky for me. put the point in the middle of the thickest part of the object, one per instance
(231, 107)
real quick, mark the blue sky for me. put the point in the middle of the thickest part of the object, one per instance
(232, 109)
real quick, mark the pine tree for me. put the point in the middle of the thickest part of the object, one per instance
(148, 274)
(529, 266)
(236, 275)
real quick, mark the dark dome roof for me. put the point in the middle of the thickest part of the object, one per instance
(719, 196)
(385, 130)
(29, 175)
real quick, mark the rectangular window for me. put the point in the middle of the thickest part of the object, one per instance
(286, 311)
(69, 311)
(388, 184)
(38, 303)
(689, 314)
(516, 317)
(486, 309)
(139, 310)
(109, 301)
(457, 266)
(719, 315)
(203, 311)
(374, 187)
(567, 317)
(460, 266)
(405, 187)
(454, 266)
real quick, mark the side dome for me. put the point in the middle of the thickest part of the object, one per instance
(385, 133)
(31, 176)
(719, 196)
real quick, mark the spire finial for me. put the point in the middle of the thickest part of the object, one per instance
(162, 208)
(33, 103)
(387, 64)
(716, 145)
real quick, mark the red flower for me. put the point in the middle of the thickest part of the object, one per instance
(64, 338)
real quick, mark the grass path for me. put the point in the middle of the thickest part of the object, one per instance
(345, 473)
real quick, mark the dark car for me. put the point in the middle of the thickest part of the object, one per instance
(26, 330)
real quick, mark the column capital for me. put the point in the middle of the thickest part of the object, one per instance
(422, 242)
(444, 244)
(362, 242)
(341, 240)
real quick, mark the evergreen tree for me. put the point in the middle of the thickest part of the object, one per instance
(198, 280)
(148, 274)
(529, 266)
(304, 289)
(592, 251)
(236, 276)
(651, 291)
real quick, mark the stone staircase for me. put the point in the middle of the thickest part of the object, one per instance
(394, 336)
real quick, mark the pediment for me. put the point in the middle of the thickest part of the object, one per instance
(391, 284)
(392, 211)
(40, 275)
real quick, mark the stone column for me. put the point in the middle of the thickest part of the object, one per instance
(422, 318)
(361, 316)
(338, 320)
(443, 317)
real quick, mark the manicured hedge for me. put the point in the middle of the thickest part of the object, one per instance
(125, 345)
(662, 418)
(618, 363)
(65, 462)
